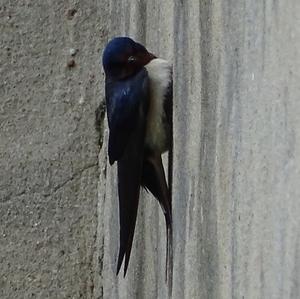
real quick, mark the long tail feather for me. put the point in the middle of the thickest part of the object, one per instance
(155, 181)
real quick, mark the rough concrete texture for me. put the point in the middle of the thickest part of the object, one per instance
(49, 147)
(236, 165)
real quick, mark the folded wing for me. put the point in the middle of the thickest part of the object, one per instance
(127, 104)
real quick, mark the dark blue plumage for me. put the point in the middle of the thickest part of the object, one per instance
(126, 98)
(138, 89)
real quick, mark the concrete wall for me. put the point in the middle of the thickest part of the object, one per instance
(236, 151)
(49, 147)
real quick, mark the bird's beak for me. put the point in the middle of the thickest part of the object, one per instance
(151, 56)
(141, 59)
(145, 58)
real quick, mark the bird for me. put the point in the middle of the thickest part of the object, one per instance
(138, 95)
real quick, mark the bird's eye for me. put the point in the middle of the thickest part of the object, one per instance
(131, 59)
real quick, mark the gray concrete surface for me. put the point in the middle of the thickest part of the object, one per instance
(49, 148)
(236, 151)
(237, 119)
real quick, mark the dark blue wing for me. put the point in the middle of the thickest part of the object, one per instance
(127, 105)
(125, 100)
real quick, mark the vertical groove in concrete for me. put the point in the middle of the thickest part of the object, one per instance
(236, 151)
(234, 142)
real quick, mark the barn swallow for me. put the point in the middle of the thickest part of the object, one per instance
(138, 93)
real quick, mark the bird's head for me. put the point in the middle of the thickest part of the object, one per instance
(123, 57)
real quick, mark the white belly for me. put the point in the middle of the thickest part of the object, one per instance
(160, 75)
